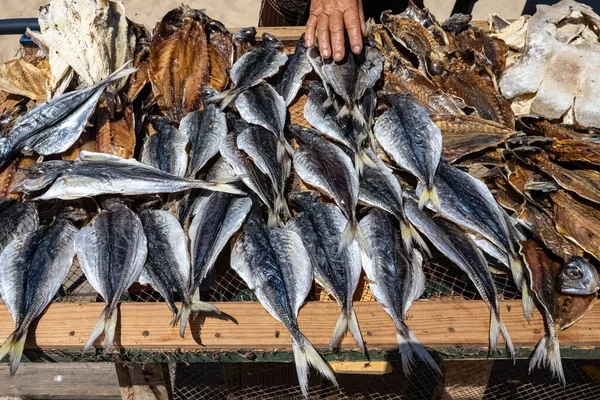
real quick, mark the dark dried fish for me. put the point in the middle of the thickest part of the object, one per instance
(165, 149)
(297, 67)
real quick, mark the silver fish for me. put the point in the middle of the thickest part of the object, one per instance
(16, 219)
(220, 170)
(243, 41)
(206, 129)
(411, 138)
(251, 68)
(321, 226)
(252, 177)
(93, 174)
(367, 106)
(326, 167)
(216, 218)
(32, 268)
(165, 149)
(314, 57)
(55, 126)
(297, 67)
(578, 277)
(467, 202)
(396, 279)
(451, 241)
(261, 147)
(276, 267)
(262, 105)
(112, 251)
(167, 266)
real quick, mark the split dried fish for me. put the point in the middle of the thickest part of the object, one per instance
(220, 55)
(165, 149)
(115, 131)
(27, 76)
(298, 66)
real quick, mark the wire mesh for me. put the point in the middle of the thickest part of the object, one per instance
(479, 379)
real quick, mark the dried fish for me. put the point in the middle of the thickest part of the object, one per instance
(220, 55)
(165, 149)
(115, 131)
(27, 77)
(578, 277)
(297, 67)
(243, 41)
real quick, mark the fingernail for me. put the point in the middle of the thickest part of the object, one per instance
(326, 53)
(338, 56)
(356, 49)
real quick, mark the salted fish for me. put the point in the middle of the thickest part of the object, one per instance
(32, 268)
(112, 251)
(314, 57)
(396, 279)
(451, 241)
(261, 147)
(167, 266)
(55, 126)
(296, 69)
(326, 167)
(262, 105)
(16, 219)
(93, 174)
(277, 268)
(467, 202)
(165, 149)
(320, 227)
(251, 68)
(411, 138)
(205, 130)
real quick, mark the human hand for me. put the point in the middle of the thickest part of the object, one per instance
(330, 19)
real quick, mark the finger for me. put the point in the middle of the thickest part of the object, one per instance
(336, 28)
(353, 27)
(311, 26)
(361, 16)
(323, 35)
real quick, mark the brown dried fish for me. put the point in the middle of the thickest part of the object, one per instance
(220, 55)
(27, 76)
(466, 134)
(86, 142)
(477, 93)
(179, 63)
(578, 222)
(486, 158)
(115, 135)
(490, 52)
(518, 175)
(141, 61)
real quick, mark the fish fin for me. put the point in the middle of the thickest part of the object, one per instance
(304, 355)
(359, 162)
(183, 316)
(353, 232)
(13, 346)
(281, 205)
(97, 331)
(429, 195)
(225, 98)
(230, 179)
(496, 327)
(273, 219)
(415, 237)
(110, 328)
(328, 103)
(547, 354)
(346, 321)
(409, 345)
(220, 187)
(527, 302)
(121, 72)
(201, 306)
(516, 268)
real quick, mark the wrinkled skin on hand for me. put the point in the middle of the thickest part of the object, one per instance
(330, 19)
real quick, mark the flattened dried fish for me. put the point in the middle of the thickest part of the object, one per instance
(115, 131)
(396, 279)
(16, 219)
(93, 174)
(205, 130)
(220, 55)
(326, 167)
(27, 76)
(167, 266)
(261, 147)
(411, 138)
(112, 250)
(321, 226)
(277, 268)
(262, 105)
(466, 134)
(451, 241)
(165, 149)
(297, 67)
(32, 268)
(254, 66)
(54, 126)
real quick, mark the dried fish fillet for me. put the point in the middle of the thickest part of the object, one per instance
(27, 77)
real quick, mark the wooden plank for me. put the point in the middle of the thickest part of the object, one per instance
(148, 381)
(436, 323)
(61, 381)
(361, 367)
(465, 380)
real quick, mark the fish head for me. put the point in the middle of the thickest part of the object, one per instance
(36, 177)
(304, 198)
(271, 41)
(246, 35)
(214, 26)
(301, 133)
(578, 277)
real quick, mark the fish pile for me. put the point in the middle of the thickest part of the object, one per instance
(146, 170)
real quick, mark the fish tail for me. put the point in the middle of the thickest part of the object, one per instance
(496, 327)
(13, 346)
(97, 331)
(201, 306)
(516, 268)
(359, 162)
(218, 187)
(351, 233)
(183, 316)
(409, 346)
(372, 140)
(225, 98)
(429, 195)
(281, 205)
(411, 236)
(328, 103)
(527, 301)
(283, 146)
(304, 355)
(547, 354)
(346, 321)
(121, 72)
(110, 328)
(273, 219)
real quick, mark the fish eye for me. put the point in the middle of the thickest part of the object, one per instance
(573, 273)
